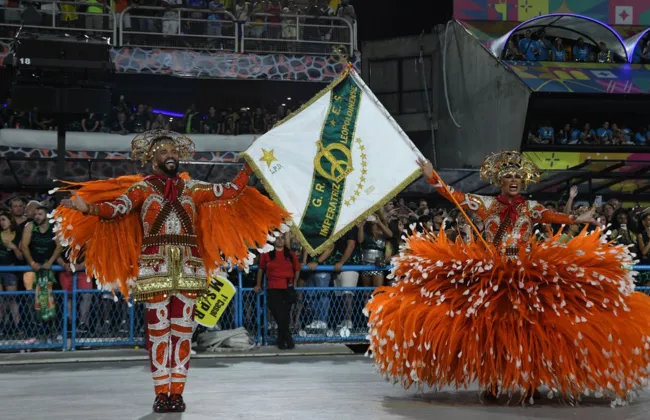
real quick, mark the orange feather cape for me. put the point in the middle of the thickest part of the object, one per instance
(564, 316)
(112, 247)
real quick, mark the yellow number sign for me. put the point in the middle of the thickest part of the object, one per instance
(212, 305)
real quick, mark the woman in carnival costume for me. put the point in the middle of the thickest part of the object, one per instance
(508, 311)
(158, 238)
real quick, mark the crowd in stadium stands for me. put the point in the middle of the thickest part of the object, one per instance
(575, 133)
(125, 119)
(537, 47)
(372, 242)
(208, 19)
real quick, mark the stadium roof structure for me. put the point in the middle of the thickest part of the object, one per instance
(571, 26)
(632, 43)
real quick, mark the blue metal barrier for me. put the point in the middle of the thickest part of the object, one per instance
(92, 318)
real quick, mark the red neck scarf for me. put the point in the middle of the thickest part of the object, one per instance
(509, 210)
(171, 190)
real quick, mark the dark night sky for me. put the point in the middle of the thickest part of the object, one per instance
(390, 18)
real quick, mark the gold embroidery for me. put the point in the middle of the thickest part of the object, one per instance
(155, 285)
(201, 187)
(93, 209)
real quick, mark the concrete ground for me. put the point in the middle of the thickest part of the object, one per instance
(336, 387)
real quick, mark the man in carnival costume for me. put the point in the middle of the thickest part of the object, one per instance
(158, 238)
(511, 312)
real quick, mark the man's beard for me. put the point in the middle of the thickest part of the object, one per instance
(169, 172)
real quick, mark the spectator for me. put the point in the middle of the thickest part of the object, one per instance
(91, 122)
(21, 120)
(141, 121)
(347, 12)
(512, 51)
(528, 47)
(344, 251)
(12, 12)
(30, 209)
(30, 15)
(274, 22)
(608, 211)
(282, 270)
(41, 250)
(170, 17)
(425, 223)
(123, 125)
(244, 122)
(644, 238)
(640, 137)
(214, 21)
(211, 122)
(39, 246)
(326, 25)
(604, 53)
(192, 120)
(83, 283)
(544, 47)
(69, 16)
(558, 53)
(373, 239)
(395, 242)
(259, 125)
(10, 254)
(229, 126)
(94, 16)
(196, 24)
(310, 31)
(604, 134)
(50, 14)
(123, 106)
(588, 136)
(160, 122)
(546, 133)
(290, 25)
(623, 229)
(581, 51)
(7, 113)
(17, 208)
(242, 12)
(257, 15)
(143, 21)
(39, 123)
(646, 51)
(564, 136)
(118, 7)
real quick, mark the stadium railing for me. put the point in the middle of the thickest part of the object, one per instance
(110, 321)
(293, 35)
(186, 28)
(176, 28)
(57, 23)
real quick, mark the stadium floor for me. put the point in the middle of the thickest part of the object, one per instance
(339, 388)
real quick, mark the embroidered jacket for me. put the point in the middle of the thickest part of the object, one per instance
(170, 260)
(511, 233)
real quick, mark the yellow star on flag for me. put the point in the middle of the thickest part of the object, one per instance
(268, 157)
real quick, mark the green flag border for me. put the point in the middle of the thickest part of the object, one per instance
(294, 227)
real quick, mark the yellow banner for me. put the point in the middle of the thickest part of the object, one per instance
(565, 160)
(212, 305)
(555, 160)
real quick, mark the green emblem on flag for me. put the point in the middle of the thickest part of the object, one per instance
(332, 164)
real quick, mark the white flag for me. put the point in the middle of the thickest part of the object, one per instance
(334, 162)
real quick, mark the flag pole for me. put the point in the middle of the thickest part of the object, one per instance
(460, 208)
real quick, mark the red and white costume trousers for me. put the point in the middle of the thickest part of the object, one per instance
(170, 321)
